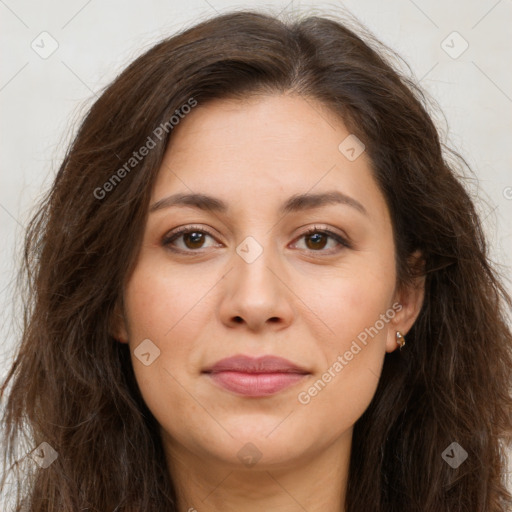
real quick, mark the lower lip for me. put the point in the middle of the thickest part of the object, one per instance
(255, 384)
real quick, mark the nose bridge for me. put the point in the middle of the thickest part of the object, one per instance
(255, 293)
(253, 260)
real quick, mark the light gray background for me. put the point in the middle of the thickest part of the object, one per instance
(43, 99)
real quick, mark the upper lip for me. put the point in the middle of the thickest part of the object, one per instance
(247, 364)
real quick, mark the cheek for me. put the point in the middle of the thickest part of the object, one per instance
(355, 306)
(167, 308)
(353, 355)
(159, 300)
(350, 300)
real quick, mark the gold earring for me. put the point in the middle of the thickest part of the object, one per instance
(400, 339)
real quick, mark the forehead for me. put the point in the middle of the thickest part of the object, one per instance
(263, 149)
(278, 128)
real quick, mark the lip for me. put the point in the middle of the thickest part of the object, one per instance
(255, 377)
(248, 364)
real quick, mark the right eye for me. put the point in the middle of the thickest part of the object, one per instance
(191, 237)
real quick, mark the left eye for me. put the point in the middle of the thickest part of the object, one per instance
(317, 239)
(192, 239)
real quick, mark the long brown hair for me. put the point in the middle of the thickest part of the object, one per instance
(72, 385)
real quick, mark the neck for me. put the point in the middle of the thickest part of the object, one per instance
(311, 482)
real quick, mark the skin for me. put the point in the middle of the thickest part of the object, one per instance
(304, 298)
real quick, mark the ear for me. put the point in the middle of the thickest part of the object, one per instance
(410, 296)
(118, 328)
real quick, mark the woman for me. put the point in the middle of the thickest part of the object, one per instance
(257, 284)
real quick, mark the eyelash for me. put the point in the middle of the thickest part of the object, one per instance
(174, 235)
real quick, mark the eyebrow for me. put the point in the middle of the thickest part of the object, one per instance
(295, 203)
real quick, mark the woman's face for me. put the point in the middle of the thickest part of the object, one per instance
(256, 274)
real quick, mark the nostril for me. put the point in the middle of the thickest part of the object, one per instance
(238, 319)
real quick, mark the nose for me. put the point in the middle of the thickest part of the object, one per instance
(255, 294)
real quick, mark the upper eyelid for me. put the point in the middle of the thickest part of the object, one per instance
(315, 227)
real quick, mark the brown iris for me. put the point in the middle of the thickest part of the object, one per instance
(196, 238)
(318, 240)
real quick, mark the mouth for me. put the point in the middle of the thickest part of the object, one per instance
(255, 377)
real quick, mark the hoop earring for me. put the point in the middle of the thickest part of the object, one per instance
(400, 339)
